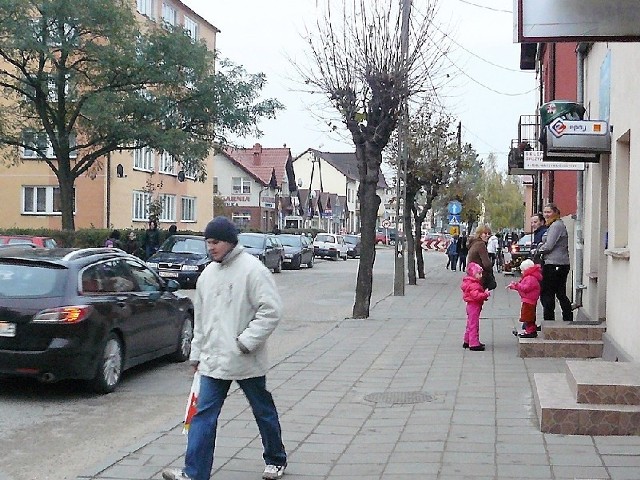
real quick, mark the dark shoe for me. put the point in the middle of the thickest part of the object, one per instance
(514, 332)
(528, 335)
(538, 328)
(465, 345)
(477, 348)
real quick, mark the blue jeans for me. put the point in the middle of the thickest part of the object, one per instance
(202, 432)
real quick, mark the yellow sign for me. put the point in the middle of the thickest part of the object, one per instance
(454, 230)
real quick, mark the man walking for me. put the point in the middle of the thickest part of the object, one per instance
(237, 307)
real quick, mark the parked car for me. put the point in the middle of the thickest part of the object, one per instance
(521, 250)
(266, 247)
(330, 245)
(182, 258)
(353, 245)
(41, 242)
(87, 314)
(298, 250)
(386, 236)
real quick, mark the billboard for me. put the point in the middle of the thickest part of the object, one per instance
(576, 20)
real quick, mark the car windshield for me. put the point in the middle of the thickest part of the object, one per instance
(351, 239)
(290, 240)
(184, 245)
(23, 280)
(251, 241)
(525, 240)
(325, 238)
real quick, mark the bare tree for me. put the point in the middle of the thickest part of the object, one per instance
(358, 63)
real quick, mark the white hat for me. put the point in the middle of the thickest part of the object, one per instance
(526, 265)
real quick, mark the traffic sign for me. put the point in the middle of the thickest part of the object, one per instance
(454, 219)
(386, 224)
(454, 207)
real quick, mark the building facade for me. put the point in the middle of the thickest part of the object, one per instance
(117, 191)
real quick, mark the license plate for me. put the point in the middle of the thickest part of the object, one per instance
(287, 260)
(7, 329)
(168, 274)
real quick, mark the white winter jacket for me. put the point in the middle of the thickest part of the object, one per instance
(237, 307)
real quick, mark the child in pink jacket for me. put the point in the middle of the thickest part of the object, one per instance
(475, 295)
(529, 289)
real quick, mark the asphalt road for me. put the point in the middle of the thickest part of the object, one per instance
(56, 432)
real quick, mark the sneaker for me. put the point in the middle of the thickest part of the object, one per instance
(271, 472)
(175, 474)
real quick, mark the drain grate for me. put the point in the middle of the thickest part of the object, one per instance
(399, 398)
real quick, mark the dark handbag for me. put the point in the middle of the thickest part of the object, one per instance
(489, 281)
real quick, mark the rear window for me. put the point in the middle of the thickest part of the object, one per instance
(325, 238)
(20, 280)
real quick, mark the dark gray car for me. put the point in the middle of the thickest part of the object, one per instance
(266, 247)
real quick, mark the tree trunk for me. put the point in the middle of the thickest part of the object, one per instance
(411, 243)
(65, 182)
(419, 258)
(369, 203)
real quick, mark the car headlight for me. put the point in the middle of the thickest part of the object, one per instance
(153, 265)
(288, 255)
(189, 268)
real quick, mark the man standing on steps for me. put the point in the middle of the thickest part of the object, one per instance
(237, 308)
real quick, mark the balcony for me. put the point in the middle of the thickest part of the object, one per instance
(528, 135)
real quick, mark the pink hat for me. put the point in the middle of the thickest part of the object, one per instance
(473, 268)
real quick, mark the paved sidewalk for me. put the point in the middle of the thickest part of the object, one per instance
(396, 397)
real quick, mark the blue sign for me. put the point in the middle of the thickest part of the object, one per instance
(454, 219)
(454, 207)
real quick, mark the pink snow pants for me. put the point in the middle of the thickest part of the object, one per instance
(472, 333)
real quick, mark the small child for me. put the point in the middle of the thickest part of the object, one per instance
(475, 295)
(529, 289)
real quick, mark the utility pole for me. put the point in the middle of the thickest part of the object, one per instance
(401, 171)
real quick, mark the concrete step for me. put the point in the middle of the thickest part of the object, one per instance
(542, 347)
(559, 412)
(604, 382)
(573, 330)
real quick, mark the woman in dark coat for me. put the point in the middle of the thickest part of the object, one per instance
(478, 251)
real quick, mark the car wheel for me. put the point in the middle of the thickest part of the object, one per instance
(296, 263)
(184, 341)
(345, 257)
(336, 256)
(109, 367)
(278, 267)
(310, 264)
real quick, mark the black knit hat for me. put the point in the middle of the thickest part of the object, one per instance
(222, 229)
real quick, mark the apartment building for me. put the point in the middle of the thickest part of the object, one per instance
(116, 193)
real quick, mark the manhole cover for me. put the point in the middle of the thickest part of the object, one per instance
(393, 398)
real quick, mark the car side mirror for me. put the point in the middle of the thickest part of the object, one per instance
(172, 285)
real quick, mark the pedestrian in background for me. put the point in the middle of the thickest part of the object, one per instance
(555, 254)
(452, 253)
(462, 251)
(151, 241)
(132, 246)
(529, 289)
(114, 240)
(474, 294)
(236, 308)
(492, 248)
(478, 253)
(538, 227)
(173, 229)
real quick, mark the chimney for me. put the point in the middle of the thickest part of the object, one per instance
(257, 154)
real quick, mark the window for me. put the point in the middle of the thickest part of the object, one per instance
(216, 190)
(143, 159)
(169, 14)
(167, 165)
(141, 202)
(40, 141)
(145, 7)
(241, 220)
(189, 169)
(168, 203)
(241, 185)
(188, 209)
(621, 195)
(42, 200)
(191, 26)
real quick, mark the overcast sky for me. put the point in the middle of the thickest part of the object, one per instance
(486, 94)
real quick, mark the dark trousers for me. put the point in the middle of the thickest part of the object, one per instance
(554, 285)
(462, 259)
